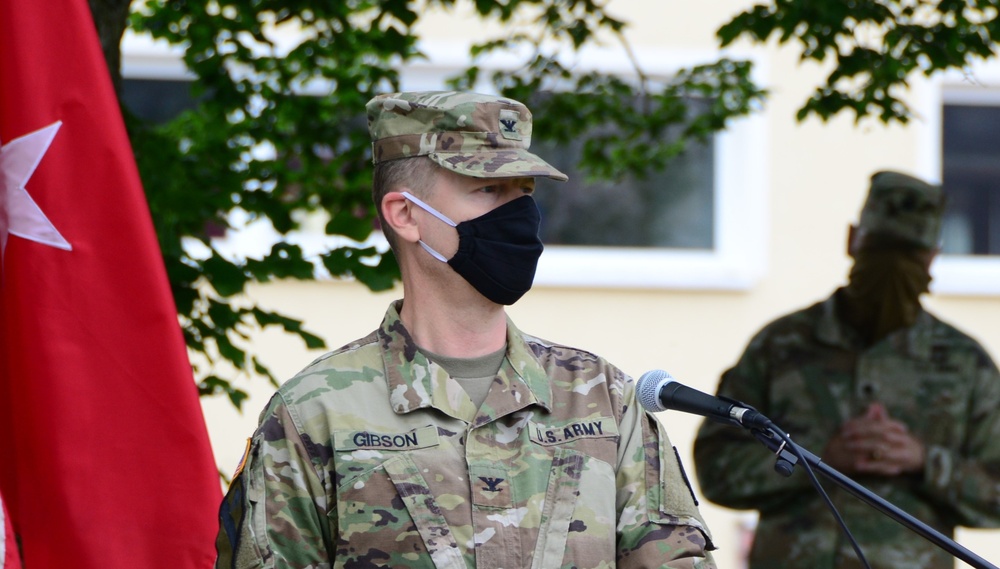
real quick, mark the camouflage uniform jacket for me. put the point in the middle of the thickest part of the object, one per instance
(373, 457)
(807, 373)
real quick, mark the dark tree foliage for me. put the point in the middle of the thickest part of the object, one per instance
(277, 132)
(875, 46)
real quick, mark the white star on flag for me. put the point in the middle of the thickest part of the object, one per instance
(19, 214)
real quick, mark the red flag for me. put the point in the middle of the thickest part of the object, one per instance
(105, 460)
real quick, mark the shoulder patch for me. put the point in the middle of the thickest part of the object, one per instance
(243, 461)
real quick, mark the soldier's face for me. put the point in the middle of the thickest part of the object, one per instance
(462, 198)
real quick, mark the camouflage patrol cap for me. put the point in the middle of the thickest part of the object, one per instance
(903, 207)
(482, 136)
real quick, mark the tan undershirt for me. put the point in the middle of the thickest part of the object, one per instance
(474, 374)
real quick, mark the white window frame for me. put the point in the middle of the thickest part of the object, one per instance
(143, 57)
(958, 275)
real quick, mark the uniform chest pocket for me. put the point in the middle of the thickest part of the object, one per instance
(577, 509)
(938, 415)
(387, 515)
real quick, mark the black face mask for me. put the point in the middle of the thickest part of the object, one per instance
(884, 291)
(497, 251)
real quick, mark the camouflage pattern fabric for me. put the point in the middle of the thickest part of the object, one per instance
(807, 373)
(482, 136)
(904, 207)
(373, 457)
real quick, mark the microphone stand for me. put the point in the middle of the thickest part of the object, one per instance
(786, 461)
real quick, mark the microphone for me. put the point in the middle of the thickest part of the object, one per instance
(657, 390)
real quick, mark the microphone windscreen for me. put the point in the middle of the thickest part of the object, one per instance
(647, 389)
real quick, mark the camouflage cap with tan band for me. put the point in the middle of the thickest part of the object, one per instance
(903, 207)
(482, 136)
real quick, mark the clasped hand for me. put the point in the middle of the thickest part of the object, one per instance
(875, 443)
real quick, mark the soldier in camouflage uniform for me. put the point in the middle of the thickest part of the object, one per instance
(447, 437)
(902, 402)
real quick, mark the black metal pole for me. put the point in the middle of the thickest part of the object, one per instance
(787, 460)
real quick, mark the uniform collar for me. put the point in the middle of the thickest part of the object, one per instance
(834, 331)
(415, 382)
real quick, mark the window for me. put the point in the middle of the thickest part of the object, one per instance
(673, 208)
(156, 100)
(726, 251)
(971, 168)
(960, 144)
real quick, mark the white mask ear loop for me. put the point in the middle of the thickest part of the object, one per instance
(436, 214)
(428, 208)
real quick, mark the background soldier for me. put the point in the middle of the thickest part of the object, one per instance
(902, 402)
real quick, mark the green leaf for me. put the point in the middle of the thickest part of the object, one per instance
(226, 277)
(215, 385)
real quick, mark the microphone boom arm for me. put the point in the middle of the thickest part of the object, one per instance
(786, 461)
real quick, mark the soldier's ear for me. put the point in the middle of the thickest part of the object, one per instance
(398, 213)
